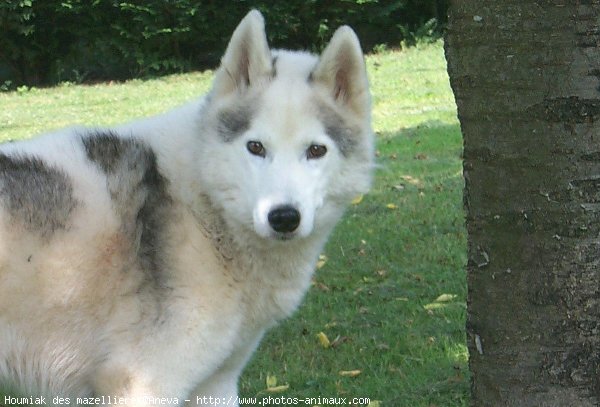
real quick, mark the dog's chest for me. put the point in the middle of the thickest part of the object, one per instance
(256, 291)
(265, 303)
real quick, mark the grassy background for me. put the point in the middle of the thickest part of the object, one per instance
(390, 294)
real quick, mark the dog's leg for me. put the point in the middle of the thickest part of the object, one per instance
(220, 389)
(139, 387)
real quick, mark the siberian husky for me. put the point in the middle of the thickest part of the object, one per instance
(146, 261)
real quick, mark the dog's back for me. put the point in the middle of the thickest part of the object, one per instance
(80, 221)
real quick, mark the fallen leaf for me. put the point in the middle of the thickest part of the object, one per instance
(323, 340)
(411, 180)
(323, 287)
(445, 298)
(339, 340)
(357, 200)
(278, 389)
(440, 302)
(321, 262)
(434, 305)
(272, 387)
(349, 373)
(271, 381)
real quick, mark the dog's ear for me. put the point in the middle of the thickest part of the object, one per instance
(247, 59)
(341, 69)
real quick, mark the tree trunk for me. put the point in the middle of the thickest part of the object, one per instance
(526, 77)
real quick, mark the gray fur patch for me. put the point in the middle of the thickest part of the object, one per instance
(36, 195)
(235, 121)
(106, 150)
(344, 135)
(139, 195)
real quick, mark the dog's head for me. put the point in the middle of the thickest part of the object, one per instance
(287, 135)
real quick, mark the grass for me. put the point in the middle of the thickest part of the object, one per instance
(391, 292)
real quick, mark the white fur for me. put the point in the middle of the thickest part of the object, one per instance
(73, 323)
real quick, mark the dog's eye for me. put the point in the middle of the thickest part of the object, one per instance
(316, 151)
(256, 148)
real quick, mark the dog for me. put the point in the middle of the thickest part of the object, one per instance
(145, 261)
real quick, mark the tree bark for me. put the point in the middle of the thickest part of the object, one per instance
(526, 77)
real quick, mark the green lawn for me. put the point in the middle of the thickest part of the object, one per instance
(390, 296)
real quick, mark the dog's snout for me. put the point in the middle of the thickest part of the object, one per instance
(284, 219)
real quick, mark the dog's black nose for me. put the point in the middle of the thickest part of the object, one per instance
(284, 219)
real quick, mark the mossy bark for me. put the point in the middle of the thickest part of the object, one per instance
(526, 77)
